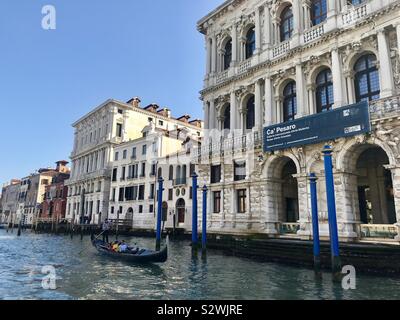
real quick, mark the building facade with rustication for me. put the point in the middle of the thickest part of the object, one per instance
(271, 62)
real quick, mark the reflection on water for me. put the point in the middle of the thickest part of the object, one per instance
(83, 274)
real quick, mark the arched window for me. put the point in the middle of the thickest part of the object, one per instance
(366, 79)
(250, 115)
(355, 2)
(250, 43)
(184, 173)
(178, 173)
(286, 23)
(171, 173)
(324, 91)
(228, 55)
(227, 117)
(318, 11)
(289, 102)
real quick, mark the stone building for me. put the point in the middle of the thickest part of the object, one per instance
(55, 198)
(9, 201)
(97, 134)
(137, 166)
(272, 62)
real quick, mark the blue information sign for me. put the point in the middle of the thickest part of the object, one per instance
(341, 122)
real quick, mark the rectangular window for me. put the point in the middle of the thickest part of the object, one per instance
(143, 172)
(114, 176)
(140, 209)
(240, 170)
(129, 193)
(161, 123)
(123, 173)
(120, 210)
(121, 194)
(135, 192)
(192, 169)
(120, 111)
(152, 187)
(151, 208)
(191, 193)
(170, 194)
(153, 170)
(241, 200)
(141, 192)
(144, 149)
(119, 130)
(134, 153)
(116, 156)
(124, 154)
(98, 207)
(112, 210)
(216, 174)
(217, 201)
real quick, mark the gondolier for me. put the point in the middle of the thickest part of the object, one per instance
(106, 229)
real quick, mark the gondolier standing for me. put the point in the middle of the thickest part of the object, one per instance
(105, 228)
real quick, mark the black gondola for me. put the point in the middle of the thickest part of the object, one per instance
(141, 256)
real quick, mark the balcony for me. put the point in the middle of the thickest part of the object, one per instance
(280, 49)
(222, 76)
(231, 145)
(180, 181)
(314, 33)
(353, 14)
(244, 66)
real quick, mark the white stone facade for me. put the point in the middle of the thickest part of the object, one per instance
(97, 135)
(346, 34)
(137, 166)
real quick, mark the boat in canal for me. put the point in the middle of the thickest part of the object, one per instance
(139, 256)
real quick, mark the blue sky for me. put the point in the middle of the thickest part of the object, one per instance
(101, 49)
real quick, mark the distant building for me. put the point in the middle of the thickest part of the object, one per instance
(137, 166)
(9, 200)
(97, 135)
(55, 199)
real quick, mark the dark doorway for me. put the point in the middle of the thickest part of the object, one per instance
(181, 209)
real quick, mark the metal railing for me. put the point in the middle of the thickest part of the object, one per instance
(382, 231)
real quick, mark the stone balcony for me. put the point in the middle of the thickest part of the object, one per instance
(353, 14)
(280, 49)
(385, 108)
(222, 146)
(313, 33)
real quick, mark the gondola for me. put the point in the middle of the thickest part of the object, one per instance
(141, 256)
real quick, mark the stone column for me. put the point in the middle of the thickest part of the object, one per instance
(234, 44)
(211, 119)
(296, 19)
(276, 22)
(258, 30)
(331, 7)
(270, 217)
(258, 106)
(396, 194)
(304, 218)
(267, 26)
(349, 76)
(279, 112)
(233, 112)
(307, 14)
(302, 108)
(311, 95)
(270, 113)
(206, 115)
(385, 65)
(214, 54)
(337, 79)
(208, 49)
(398, 37)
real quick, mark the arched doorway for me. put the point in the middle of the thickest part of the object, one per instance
(375, 187)
(129, 215)
(290, 196)
(181, 209)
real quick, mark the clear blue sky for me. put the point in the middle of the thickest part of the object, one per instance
(101, 49)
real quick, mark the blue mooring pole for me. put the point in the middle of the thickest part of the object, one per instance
(159, 212)
(330, 194)
(194, 211)
(204, 221)
(314, 211)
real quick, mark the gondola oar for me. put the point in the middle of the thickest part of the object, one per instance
(93, 238)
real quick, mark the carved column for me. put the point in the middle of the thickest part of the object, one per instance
(233, 113)
(258, 30)
(349, 76)
(386, 73)
(208, 48)
(234, 44)
(214, 54)
(302, 108)
(311, 100)
(337, 78)
(270, 113)
(267, 26)
(258, 106)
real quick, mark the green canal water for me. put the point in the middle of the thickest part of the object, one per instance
(87, 275)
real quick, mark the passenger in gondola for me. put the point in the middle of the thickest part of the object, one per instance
(115, 246)
(123, 247)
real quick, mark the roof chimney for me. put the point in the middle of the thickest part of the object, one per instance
(135, 102)
(62, 166)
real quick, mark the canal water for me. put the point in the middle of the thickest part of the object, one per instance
(83, 274)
